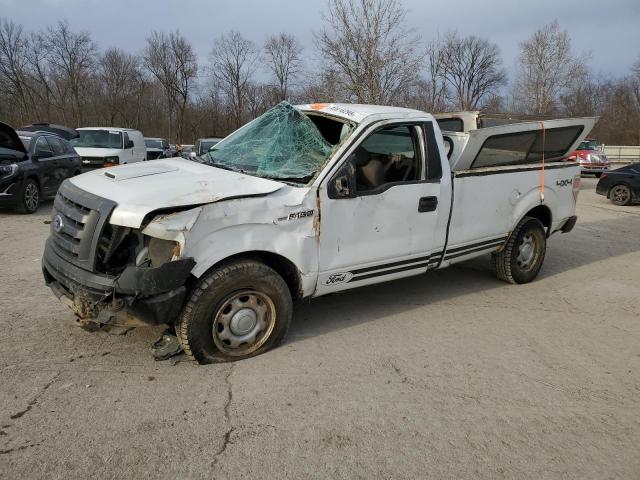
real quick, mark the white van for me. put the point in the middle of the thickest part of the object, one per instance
(106, 147)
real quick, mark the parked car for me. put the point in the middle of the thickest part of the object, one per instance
(106, 147)
(203, 145)
(621, 186)
(590, 158)
(220, 249)
(185, 150)
(60, 130)
(32, 167)
(158, 148)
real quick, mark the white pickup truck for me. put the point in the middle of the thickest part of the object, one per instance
(302, 202)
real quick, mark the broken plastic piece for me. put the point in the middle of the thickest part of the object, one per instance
(166, 346)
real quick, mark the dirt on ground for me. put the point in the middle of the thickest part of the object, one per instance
(452, 374)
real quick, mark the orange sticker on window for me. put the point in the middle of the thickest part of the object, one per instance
(318, 106)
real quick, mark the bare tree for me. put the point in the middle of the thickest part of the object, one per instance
(234, 61)
(14, 74)
(471, 67)
(72, 58)
(120, 81)
(171, 60)
(547, 67)
(283, 58)
(436, 89)
(370, 49)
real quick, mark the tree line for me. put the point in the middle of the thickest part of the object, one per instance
(367, 53)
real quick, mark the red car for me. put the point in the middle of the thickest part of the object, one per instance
(591, 159)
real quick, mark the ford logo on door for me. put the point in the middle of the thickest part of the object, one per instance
(57, 224)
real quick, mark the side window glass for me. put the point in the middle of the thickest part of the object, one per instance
(505, 150)
(42, 148)
(526, 147)
(56, 146)
(388, 155)
(125, 139)
(69, 148)
(451, 124)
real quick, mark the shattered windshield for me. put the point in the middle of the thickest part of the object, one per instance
(283, 144)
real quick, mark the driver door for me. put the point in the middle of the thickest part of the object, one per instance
(387, 227)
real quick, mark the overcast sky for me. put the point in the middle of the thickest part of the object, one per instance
(608, 29)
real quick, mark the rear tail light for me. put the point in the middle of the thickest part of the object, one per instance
(575, 187)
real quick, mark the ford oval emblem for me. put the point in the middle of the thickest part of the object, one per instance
(57, 223)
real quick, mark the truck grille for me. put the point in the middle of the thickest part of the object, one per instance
(92, 162)
(77, 221)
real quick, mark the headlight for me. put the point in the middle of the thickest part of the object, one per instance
(111, 161)
(7, 171)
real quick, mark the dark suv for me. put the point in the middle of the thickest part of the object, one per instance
(32, 167)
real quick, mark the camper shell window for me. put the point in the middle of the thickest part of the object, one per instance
(526, 147)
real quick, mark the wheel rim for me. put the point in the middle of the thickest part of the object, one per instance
(243, 322)
(31, 196)
(620, 194)
(527, 252)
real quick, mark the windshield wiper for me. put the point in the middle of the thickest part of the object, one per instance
(304, 179)
(212, 161)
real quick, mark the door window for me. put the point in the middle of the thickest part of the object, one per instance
(43, 149)
(56, 146)
(388, 156)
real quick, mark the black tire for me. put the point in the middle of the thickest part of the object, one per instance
(29, 197)
(620, 195)
(510, 264)
(256, 292)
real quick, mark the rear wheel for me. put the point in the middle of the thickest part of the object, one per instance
(237, 311)
(29, 197)
(620, 195)
(523, 255)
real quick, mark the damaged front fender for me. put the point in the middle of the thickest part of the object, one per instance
(173, 226)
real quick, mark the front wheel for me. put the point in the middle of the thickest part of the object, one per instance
(237, 311)
(522, 256)
(620, 195)
(29, 197)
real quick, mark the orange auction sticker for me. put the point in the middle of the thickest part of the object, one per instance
(318, 106)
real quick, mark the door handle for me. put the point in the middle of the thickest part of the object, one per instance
(427, 204)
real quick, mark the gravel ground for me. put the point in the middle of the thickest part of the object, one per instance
(448, 375)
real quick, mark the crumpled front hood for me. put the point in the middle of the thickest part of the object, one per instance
(140, 188)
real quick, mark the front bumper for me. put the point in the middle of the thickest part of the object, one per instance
(139, 296)
(594, 167)
(9, 192)
(602, 189)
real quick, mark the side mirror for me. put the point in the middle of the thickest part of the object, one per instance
(192, 155)
(128, 144)
(343, 183)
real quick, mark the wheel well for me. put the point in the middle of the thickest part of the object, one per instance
(285, 268)
(35, 179)
(542, 213)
